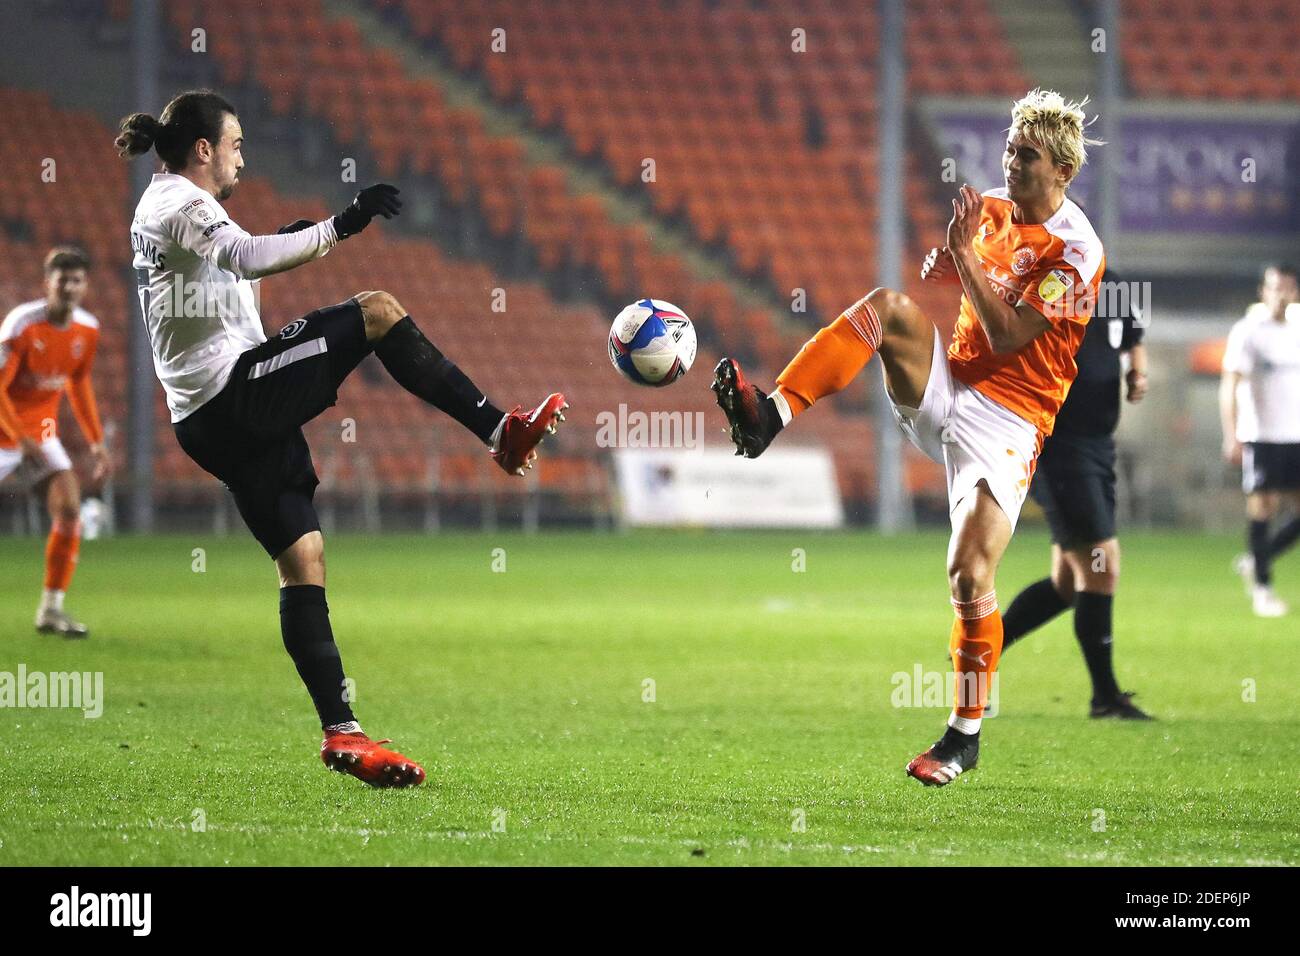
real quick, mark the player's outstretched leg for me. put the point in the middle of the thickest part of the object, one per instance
(417, 365)
(981, 532)
(884, 321)
(305, 627)
(63, 497)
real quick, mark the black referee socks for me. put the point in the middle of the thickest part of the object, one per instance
(417, 366)
(305, 627)
(1092, 626)
(1032, 608)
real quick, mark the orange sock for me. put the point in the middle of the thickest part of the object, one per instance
(831, 358)
(975, 647)
(61, 555)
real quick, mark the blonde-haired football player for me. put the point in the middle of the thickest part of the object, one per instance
(1029, 264)
(47, 347)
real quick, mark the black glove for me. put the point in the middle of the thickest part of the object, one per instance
(378, 200)
(295, 226)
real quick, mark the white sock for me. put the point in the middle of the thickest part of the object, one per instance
(965, 725)
(494, 441)
(782, 406)
(51, 600)
(347, 727)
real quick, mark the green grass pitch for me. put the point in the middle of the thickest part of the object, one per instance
(772, 737)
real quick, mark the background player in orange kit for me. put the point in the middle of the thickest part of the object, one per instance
(47, 348)
(1030, 265)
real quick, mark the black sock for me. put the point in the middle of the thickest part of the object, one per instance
(1286, 536)
(1257, 538)
(955, 738)
(1031, 608)
(305, 627)
(1093, 628)
(426, 373)
(772, 423)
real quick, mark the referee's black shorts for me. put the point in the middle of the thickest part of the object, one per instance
(1270, 466)
(1074, 483)
(250, 433)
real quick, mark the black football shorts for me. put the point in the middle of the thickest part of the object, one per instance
(250, 433)
(1074, 483)
(1270, 466)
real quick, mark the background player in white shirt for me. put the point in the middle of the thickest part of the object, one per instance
(238, 401)
(1259, 405)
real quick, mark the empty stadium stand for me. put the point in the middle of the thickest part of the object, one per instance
(794, 213)
(1212, 49)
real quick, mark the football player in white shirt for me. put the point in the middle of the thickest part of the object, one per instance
(238, 401)
(1259, 406)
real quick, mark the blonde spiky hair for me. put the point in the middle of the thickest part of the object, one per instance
(1058, 125)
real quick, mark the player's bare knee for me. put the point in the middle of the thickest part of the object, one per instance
(65, 515)
(303, 562)
(1063, 582)
(1261, 506)
(887, 305)
(897, 312)
(63, 499)
(1096, 567)
(1103, 558)
(1103, 578)
(970, 576)
(1109, 580)
(1062, 575)
(380, 310)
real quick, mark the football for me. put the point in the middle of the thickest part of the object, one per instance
(652, 342)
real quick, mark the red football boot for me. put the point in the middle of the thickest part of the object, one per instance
(943, 763)
(522, 433)
(752, 419)
(370, 761)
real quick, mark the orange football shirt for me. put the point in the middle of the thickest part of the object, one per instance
(1056, 267)
(39, 361)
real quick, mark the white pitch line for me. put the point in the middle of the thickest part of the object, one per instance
(465, 836)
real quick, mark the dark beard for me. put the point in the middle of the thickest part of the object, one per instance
(224, 193)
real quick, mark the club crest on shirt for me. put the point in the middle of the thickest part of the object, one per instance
(293, 328)
(1022, 260)
(77, 347)
(1115, 332)
(198, 212)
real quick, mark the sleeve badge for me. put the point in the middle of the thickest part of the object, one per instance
(199, 212)
(1054, 285)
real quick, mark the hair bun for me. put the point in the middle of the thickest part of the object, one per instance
(138, 133)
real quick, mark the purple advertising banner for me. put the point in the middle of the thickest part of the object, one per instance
(1219, 176)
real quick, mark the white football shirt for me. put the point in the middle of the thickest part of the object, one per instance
(195, 270)
(1266, 354)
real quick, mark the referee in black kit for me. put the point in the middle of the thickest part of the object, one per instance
(1075, 485)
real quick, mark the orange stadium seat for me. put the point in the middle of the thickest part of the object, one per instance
(1213, 49)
